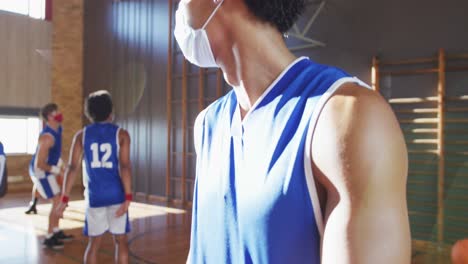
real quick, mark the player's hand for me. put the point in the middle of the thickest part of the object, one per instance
(60, 209)
(123, 209)
(62, 172)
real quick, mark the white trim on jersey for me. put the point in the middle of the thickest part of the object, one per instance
(197, 131)
(38, 173)
(308, 153)
(83, 163)
(83, 138)
(272, 85)
(117, 143)
(53, 137)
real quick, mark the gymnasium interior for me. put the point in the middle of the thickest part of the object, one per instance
(414, 53)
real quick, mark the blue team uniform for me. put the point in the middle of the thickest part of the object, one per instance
(255, 199)
(2, 151)
(45, 181)
(104, 189)
(3, 172)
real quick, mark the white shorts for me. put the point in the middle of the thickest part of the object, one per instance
(102, 219)
(46, 183)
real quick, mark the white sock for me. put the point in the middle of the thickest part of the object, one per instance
(49, 235)
(56, 230)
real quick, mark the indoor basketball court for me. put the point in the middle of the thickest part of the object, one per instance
(233, 131)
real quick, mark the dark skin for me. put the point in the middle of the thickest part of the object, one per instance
(76, 154)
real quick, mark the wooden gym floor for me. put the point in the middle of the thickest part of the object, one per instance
(160, 234)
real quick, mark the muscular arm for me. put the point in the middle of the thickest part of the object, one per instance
(125, 165)
(360, 158)
(46, 142)
(76, 154)
(125, 169)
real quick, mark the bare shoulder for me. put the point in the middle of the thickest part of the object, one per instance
(46, 139)
(357, 133)
(78, 137)
(358, 99)
(359, 157)
(356, 108)
(123, 135)
(79, 133)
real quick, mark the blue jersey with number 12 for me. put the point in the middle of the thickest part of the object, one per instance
(101, 156)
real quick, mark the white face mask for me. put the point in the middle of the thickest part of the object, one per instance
(194, 43)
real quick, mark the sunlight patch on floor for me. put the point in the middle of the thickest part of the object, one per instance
(74, 216)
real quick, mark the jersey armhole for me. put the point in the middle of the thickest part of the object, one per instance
(51, 136)
(2, 165)
(83, 136)
(117, 142)
(310, 180)
(198, 131)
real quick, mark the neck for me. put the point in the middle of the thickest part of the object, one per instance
(251, 64)
(53, 125)
(108, 120)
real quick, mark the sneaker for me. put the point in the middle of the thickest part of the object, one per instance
(52, 243)
(61, 236)
(31, 210)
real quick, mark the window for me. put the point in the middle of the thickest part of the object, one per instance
(32, 8)
(19, 135)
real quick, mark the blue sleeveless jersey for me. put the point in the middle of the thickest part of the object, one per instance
(101, 156)
(55, 152)
(255, 199)
(2, 151)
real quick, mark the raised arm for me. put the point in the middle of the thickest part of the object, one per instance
(360, 158)
(125, 169)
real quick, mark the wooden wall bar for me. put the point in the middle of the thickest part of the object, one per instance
(189, 91)
(441, 145)
(184, 130)
(436, 131)
(375, 74)
(169, 85)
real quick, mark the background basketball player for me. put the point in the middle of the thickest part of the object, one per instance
(44, 169)
(105, 149)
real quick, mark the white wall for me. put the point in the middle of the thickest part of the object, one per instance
(24, 74)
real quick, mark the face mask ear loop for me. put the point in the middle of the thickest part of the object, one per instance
(212, 14)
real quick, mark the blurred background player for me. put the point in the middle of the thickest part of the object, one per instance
(105, 149)
(3, 172)
(45, 168)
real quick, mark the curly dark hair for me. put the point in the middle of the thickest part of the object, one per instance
(280, 13)
(98, 106)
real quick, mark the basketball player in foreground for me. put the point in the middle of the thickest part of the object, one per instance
(299, 163)
(105, 149)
